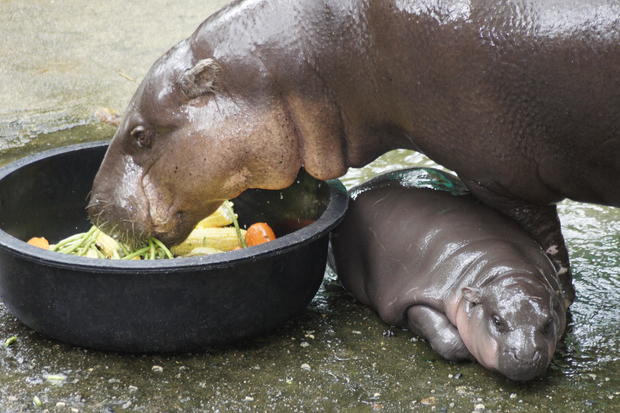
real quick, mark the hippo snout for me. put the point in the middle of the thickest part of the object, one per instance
(118, 204)
(520, 356)
(519, 365)
(121, 222)
(131, 222)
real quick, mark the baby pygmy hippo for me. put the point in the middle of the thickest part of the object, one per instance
(427, 256)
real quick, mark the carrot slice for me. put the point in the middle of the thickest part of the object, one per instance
(39, 242)
(259, 233)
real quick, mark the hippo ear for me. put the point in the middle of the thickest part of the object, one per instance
(200, 79)
(473, 295)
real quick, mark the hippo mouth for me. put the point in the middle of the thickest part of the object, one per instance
(118, 222)
(175, 229)
(523, 369)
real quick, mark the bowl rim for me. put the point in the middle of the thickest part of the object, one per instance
(331, 216)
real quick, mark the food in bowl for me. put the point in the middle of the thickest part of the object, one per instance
(217, 233)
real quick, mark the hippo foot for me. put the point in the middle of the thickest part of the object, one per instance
(434, 326)
(543, 223)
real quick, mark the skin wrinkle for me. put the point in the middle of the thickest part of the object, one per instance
(142, 187)
(487, 353)
(288, 113)
(298, 133)
(344, 134)
(457, 251)
(330, 95)
(554, 193)
(217, 106)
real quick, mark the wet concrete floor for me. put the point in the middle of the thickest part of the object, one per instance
(62, 60)
(336, 356)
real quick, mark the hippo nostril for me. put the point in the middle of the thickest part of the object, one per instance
(526, 357)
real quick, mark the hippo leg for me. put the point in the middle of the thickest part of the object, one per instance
(440, 333)
(541, 222)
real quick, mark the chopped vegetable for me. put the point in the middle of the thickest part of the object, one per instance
(240, 236)
(222, 217)
(202, 251)
(39, 242)
(212, 235)
(56, 378)
(10, 341)
(96, 244)
(259, 233)
(108, 246)
(37, 402)
(223, 239)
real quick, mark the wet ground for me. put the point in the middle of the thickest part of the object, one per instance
(337, 356)
(61, 61)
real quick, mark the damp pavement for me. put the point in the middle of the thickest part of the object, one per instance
(65, 68)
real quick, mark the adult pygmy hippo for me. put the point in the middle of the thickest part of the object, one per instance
(520, 98)
(462, 275)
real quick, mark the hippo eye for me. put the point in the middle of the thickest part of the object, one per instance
(547, 328)
(141, 137)
(499, 324)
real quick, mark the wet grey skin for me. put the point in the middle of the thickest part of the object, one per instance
(460, 274)
(519, 98)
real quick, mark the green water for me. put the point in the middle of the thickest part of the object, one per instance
(337, 355)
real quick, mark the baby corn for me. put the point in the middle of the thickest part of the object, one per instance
(223, 239)
(222, 217)
(202, 251)
(108, 245)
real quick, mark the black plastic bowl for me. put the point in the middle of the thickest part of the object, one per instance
(183, 304)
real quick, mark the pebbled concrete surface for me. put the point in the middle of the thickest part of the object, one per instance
(61, 60)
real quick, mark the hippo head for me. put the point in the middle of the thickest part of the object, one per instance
(195, 133)
(512, 325)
